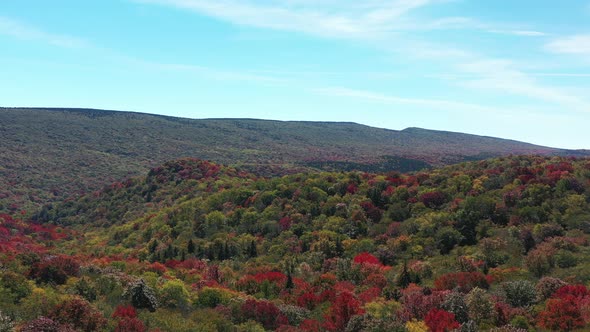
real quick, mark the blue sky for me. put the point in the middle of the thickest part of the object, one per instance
(512, 69)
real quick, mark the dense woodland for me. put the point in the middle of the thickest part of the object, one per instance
(49, 155)
(500, 244)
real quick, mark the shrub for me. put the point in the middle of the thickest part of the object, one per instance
(455, 304)
(124, 312)
(85, 289)
(44, 324)
(520, 293)
(130, 325)
(561, 314)
(6, 323)
(565, 259)
(539, 261)
(577, 291)
(141, 295)
(440, 321)
(16, 285)
(211, 297)
(78, 313)
(479, 304)
(174, 294)
(547, 286)
(55, 269)
(416, 326)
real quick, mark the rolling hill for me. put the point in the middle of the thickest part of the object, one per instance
(51, 154)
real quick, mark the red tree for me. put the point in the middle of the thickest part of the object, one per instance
(264, 312)
(343, 309)
(440, 321)
(366, 258)
(577, 291)
(561, 314)
(80, 314)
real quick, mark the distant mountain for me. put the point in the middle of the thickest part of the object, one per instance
(50, 154)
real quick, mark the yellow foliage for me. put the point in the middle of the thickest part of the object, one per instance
(416, 326)
(381, 308)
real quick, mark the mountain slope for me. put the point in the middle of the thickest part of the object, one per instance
(49, 154)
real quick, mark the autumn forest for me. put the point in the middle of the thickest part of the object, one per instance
(499, 244)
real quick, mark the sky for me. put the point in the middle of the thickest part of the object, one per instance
(504, 68)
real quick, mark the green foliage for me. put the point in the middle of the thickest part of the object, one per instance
(174, 295)
(479, 305)
(520, 293)
(84, 150)
(218, 247)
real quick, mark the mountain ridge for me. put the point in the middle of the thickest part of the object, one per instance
(54, 153)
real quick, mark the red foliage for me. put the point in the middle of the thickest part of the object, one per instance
(310, 325)
(417, 305)
(251, 283)
(44, 324)
(79, 314)
(561, 314)
(264, 312)
(576, 291)
(157, 267)
(374, 213)
(127, 311)
(433, 199)
(342, 310)
(285, 223)
(192, 264)
(369, 294)
(352, 188)
(130, 325)
(366, 258)
(560, 167)
(55, 269)
(463, 281)
(440, 321)
(308, 300)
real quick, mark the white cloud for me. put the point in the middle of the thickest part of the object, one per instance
(212, 73)
(21, 30)
(576, 45)
(438, 104)
(336, 19)
(521, 33)
(502, 76)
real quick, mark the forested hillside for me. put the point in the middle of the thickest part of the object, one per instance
(52, 154)
(500, 244)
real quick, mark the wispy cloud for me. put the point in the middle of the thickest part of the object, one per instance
(389, 24)
(28, 32)
(342, 19)
(522, 33)
(21, 30)
(503, 76)
(210, 72)
(575, 45)
(431, 104)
